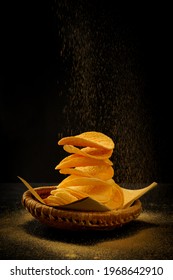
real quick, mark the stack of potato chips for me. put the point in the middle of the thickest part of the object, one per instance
(90, 172)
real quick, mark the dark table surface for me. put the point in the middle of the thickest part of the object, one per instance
(148, 237)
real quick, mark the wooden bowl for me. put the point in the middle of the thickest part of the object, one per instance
(77, 220)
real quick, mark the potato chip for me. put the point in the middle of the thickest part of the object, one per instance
(116, 200)
(85, 155)
(89, 152)
(77, 161)
(74, 180)
(77, 194)
(102, 172)
(62, 197)
(102, 195)
(73, 193)
(89, 139)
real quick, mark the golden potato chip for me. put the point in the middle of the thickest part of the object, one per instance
(103, 172)
(62, 197)
(112, 183)
(89, 139)
(116, 200)
(76, 194)
(74, 180)
(98, 153)
(77, 161)
(112, 197)
(84, 154)
(89, 152)
(52, 201)
(100, 193)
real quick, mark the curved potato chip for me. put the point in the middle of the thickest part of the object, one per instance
(89, 152)
(82, 155)
(74, 180)
(89, 139)
(102, 172)
(112, 183)
(116, 200)
(79, 161)
(100, 193)
(77, 194)
(98, 153)
(62, 197)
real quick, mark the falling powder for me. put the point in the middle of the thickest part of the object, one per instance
(104, 88)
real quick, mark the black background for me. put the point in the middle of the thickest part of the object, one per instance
(41, 62)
